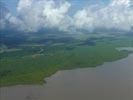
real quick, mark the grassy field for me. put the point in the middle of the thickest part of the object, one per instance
(30, 64)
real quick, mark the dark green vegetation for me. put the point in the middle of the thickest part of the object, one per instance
(29, 62)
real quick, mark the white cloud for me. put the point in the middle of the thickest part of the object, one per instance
(56, 15)
(23, 4)
(125, 3)
(34, 15)
(117, 14)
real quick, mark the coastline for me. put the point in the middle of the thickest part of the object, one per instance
(89, 82)
(43, 81)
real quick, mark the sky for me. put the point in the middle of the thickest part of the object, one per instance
(76, 4)
(68, 15)
(11, 4)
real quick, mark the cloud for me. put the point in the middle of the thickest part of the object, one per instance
(23, 4)
(118, 14)
(56, 16)
(33, 15)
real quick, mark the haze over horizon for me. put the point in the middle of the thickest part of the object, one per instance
(66, 15)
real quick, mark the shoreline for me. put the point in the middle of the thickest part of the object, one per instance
(43, 82)
(88, 82)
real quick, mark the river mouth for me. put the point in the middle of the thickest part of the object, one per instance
(110, 81)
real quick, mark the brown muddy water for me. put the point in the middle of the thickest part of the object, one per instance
(110, 81)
